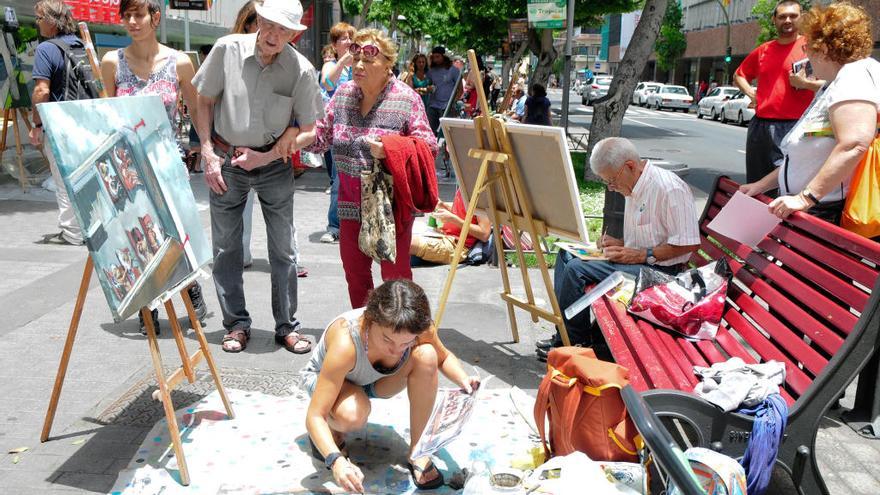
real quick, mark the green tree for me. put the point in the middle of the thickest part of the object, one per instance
(671, 43)
(763, 12)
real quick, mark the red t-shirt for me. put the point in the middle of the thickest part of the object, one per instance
(459, 208)
(771, 64)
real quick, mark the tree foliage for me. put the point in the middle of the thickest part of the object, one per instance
(671, 43)
(763, 12)
(479, 25)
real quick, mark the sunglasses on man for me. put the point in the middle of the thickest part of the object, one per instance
(367, 52)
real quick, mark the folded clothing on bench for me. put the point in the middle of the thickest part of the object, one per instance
(733, 383)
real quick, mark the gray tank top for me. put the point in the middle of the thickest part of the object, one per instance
(363, 373)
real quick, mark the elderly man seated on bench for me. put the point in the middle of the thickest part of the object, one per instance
(660, 230)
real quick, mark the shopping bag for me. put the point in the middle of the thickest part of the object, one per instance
(690, 303)
(377, 237)
(861, 212)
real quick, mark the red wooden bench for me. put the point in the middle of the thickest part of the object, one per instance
(808, 297)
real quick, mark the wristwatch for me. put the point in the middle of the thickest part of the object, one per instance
(650, 259)
(332, 458)
(810, 196)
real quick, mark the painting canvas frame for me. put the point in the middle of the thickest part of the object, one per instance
(545, 167)
(130, 192)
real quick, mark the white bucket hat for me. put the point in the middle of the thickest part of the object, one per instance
(287, 13)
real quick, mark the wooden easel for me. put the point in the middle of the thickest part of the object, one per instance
(165, 384)
(188, 362)
(499, 170)
(12, 114)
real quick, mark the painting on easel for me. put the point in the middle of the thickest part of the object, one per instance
(131, 194)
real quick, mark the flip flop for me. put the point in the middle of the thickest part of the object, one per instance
(239, 335)
(291, 346)
(428, 485)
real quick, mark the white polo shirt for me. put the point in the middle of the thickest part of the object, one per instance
(660, 210)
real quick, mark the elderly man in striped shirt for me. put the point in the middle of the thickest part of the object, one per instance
(660, 230)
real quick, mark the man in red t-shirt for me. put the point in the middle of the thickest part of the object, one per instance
(442, 249)
(782, 95)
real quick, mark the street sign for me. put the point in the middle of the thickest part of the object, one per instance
(518, 30)
(597, 65)
(191, 4)
(547, 14)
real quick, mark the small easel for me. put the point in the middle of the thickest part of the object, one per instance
(188, 362)
(12, 115)
(499, 170)
(165, 384)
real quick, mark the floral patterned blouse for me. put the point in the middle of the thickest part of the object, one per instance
(398, 111)
(163, 82)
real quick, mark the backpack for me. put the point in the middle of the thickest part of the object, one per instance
(79, 80)
(580, 395)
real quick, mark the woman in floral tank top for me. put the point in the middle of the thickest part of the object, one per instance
(147, 67)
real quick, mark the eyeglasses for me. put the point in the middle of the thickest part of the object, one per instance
(370, 52)
(613, 182)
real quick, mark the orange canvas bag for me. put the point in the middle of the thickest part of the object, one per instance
(581, 397)
(861, 212)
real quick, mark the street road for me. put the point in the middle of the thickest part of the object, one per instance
(708, 148)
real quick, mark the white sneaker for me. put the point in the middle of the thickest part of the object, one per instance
(330, 238)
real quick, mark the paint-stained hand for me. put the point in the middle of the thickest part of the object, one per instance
(348, 476)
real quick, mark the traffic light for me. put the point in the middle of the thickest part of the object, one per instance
(727, 55)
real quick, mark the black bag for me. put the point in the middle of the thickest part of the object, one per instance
(79, 80)
(481, 252)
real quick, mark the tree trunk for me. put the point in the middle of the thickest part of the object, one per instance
(511, 63)
(608, 111)
(361, 19)
(541, 44)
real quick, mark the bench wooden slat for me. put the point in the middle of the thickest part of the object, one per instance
(670, 362)
(831, 312)
(712, 354)
(813, 250)
(682, 358)
(783, 304)
(617, 344)
(794, 376)
(650, 361)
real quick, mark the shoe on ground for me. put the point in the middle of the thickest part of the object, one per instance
(59, 239)
(554, 341)
(302, 271)
(330, 238)
(328, 190)
(248, 263)
(542, 354)
(155, 315)
(195, 295)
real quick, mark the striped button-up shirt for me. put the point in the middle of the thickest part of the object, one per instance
(660, 210)
(398, 111)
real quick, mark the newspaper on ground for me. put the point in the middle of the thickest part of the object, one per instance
(452, 409)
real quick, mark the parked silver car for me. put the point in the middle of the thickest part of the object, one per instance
(643, 89)
(596, 90)
(672, 97)
(710, 105)
(736, 109)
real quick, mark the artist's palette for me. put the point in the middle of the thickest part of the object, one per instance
(265, 449)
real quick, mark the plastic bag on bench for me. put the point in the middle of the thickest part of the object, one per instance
(690, 303)
(717, 473)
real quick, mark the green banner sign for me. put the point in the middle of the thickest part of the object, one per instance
(547, 14)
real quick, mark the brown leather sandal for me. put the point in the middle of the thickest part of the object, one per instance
(239, 335)
(291, 340)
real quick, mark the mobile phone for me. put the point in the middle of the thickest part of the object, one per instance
(802, 64)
